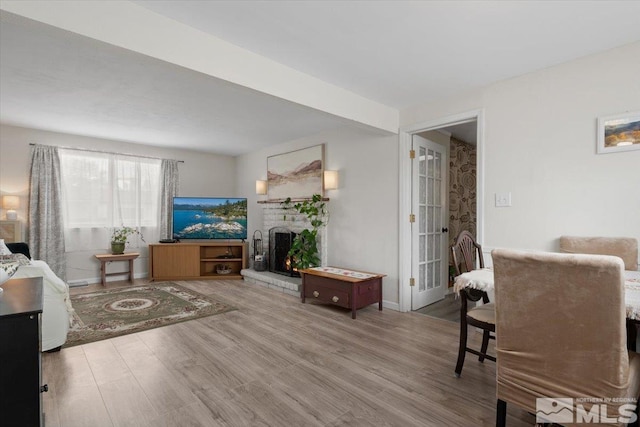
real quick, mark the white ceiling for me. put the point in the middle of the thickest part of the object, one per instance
(397, 53)
(403, 53)
(55, 80)
(467, 132)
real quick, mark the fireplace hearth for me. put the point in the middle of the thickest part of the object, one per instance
(280, 241)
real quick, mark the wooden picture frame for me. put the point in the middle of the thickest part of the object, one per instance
(618, 133)
(296, 174)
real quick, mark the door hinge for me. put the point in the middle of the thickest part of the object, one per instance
(412, 154)
(412, 218)
(412, 281)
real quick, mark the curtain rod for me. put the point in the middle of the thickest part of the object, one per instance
(105, 152)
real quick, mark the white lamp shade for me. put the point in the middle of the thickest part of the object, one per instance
(10, 202)
(330, 180)
(261, 187)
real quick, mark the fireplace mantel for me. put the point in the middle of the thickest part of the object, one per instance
(324, 199)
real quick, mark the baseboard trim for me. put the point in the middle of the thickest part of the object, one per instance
(391, 305)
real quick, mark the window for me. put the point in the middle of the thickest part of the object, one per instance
(101, 191)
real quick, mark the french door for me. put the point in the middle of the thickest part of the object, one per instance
(429, 240)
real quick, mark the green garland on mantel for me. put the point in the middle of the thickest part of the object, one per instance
(281, 201)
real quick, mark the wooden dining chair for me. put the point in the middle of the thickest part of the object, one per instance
(464, 254)
(560, 333)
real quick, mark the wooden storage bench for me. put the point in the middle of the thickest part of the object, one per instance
(344, 288)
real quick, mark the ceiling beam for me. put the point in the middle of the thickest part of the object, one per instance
(127, 25)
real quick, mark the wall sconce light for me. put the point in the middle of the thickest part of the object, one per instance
(261, 187)
(11, 203)
(330, 180)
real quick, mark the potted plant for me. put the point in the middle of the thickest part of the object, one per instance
(119, 238)
(304, 248)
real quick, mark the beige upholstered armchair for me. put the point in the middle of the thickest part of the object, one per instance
(560, 332)
(623, 247)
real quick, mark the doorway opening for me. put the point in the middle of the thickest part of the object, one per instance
(437, 215)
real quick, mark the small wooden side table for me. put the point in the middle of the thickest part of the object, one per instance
(105, 258)
(352, 290)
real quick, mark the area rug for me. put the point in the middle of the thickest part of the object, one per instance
(111, 313)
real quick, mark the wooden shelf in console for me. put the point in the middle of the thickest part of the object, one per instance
(197, 260)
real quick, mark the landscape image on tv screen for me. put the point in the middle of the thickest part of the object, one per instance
(209, 218)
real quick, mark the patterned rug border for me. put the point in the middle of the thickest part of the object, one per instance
(78, 332)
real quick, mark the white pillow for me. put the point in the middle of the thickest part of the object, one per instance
(8, 269)
(4, 250)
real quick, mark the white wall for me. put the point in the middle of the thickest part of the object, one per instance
(362, 230)
(540, 145)
(540, 138)
(201, 174)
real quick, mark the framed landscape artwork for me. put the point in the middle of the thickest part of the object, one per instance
(296, 174)
(619, 133)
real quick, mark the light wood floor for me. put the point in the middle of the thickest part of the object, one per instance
(274, 362)
(446, 309)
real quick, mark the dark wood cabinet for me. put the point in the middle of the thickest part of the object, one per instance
(20, 343)
(342, 290)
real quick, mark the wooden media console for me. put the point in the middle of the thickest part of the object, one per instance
(197, 261)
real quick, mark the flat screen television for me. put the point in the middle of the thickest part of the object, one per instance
(209, 218)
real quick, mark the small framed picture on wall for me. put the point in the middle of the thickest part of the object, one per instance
(619, 133)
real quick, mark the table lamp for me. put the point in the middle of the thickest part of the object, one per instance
(11, 203)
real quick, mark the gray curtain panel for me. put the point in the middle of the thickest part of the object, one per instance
(46, 233)
(169, 180)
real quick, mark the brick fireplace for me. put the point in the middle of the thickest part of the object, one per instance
(275, 217)
(280, 241)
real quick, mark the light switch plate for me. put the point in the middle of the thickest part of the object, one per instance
(503, 200)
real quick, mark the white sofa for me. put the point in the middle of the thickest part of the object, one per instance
(56, 308)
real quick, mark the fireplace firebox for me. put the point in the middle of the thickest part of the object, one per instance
(280, 240)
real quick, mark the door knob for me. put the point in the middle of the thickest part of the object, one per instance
(445, 230)
(316, 294)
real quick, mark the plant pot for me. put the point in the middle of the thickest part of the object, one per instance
(117, 248)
